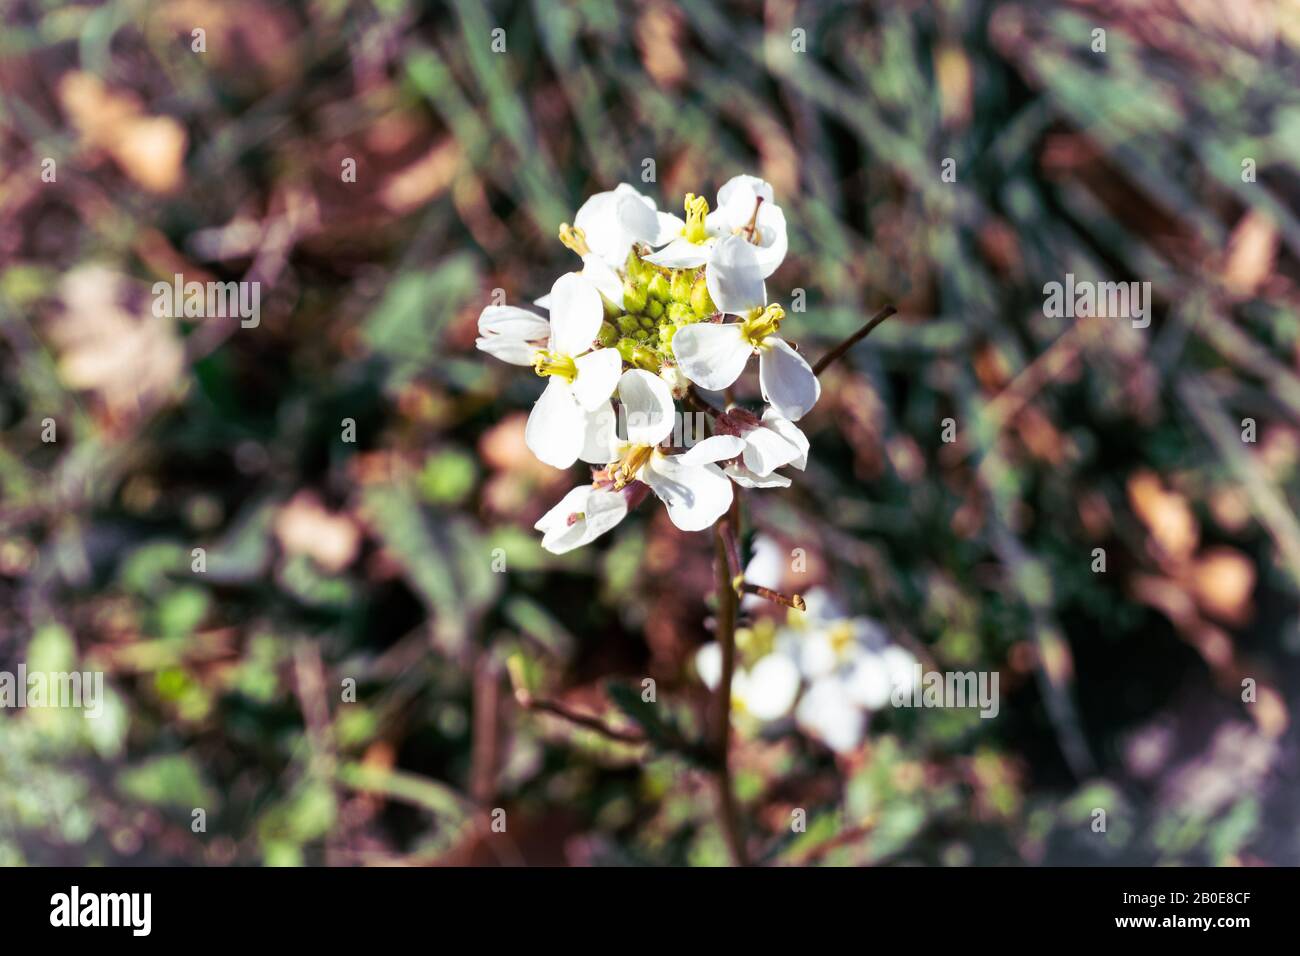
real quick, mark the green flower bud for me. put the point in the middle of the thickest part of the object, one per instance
(680, 313)
(636, 267)
(627, 324)
(701, 301)
(647, 322)
(634, 296)
(655, 308)
(680, 286)
(666, 333)
(645, 358)
(659, 288)
(607, 336)
(626, 348)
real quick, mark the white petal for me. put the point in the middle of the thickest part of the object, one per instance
(575, 500)
(734, 277)
(821, 606)
(747, 479)
(507, 333)
(600, 437)
(787, 381)
(828, 713)
(765, 451)
(605, 509)
(599, 273)
(544, 302)
(507, 350)
(556, 425)
(708, 664)
(670, 227)
(681, 253)
(513, 322)
(901, 667)
(597, 377)
(772, 687)
(817, 655)
(791, 433)
(868, 682)
(767, 566)
(737, 196)
(713, 448)
(710, 354)
(576, 314)
(772, 240)
(696, 495)
(583, 515)
(648, 407)
(602, 225)
(638, 218)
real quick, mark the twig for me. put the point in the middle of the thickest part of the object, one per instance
(582, 720)
(726, 634)
(853, 339)
(776, 597)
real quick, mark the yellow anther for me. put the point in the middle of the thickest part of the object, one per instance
(697, 207)
(553, 363)
(841, 635)
(762, 324)
(632, 462)
(574, 238)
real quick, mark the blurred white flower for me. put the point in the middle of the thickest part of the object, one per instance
(851, 668)
(765, 691)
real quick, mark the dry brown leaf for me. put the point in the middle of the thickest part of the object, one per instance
(150, 150)
(128, 357)
(1252, 251)
(656, 34)
(1166, 514)
(306, 526)
(1223, 579)
(429, 176)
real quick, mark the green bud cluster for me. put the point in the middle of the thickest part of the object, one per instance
(657, 303)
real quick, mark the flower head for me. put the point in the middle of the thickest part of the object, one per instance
(637, 330)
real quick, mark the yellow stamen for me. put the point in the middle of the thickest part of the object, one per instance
(762, 324)
(841, 635)
(632, 462)
(574, 238)
(697, 207)
(546, 362)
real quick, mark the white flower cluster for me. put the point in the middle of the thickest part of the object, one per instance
(832, 670)
(662, 307)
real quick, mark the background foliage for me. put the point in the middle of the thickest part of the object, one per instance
(373, 560)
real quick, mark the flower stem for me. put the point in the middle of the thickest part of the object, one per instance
(726, 634)
(853, 339)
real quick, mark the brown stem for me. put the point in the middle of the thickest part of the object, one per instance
(853, 339)
(726, 634)
(582, 720)
(776, 597)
